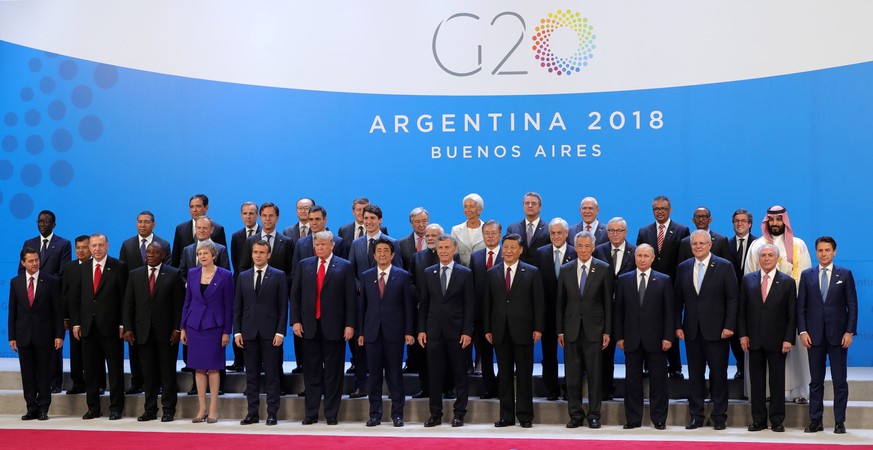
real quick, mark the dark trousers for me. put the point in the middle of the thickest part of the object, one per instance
(445, 355)
(239, 358)
(607, 372)
(323, 373)
(159, 359)
(760, 362)
(583, 356)
(837, 355)
(737, 351)
(361, 368)
(97, 349)
(261, 352)
(549, 344)
(515, 358)
(485, 352)
(298, 350)
(77, 365)
(136, 375)
(56, 369)
(715, 354)
(633, 393)
(384, 357)
(414, 355)
(35, 379)
(674, 361)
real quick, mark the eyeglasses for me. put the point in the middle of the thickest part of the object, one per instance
(615, 231)
(742, 221)
(660, 209)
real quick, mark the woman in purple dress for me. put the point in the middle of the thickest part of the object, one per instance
(207, 317)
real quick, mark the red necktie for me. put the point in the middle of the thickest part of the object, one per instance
(588, 228)
(508, 279)
(660, 237)
(418, 245)
(490, 259)
(764, 287)
(152, 282)
(97, 274)
(381, 284)
(319, 282)
(30, 292)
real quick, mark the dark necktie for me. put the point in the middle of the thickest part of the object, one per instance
(824, 283)
(588, 227)
(530, 233)
(742, 252)
(660, 237)
(444, 279)
(258, 283)
(142, 248)
(381, 284)
(251, 232)
(42, 250)
(270, 241)
(30, 292)
(360, 232)
(97, 275)
(303, 232)
(152, 282)
(319, 283)
(508, 279)
(490, 261)
(615, 259)
(583, 279)
(642, 287)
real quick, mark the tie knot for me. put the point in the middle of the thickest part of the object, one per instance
(643, 275)
(31, 279)
(144, 240)
(154, 269)
(824, 270)
(661, 226)
(98, 265)
(508, 269)
(260, 271)
(444, 268)
(382, 274)
(323, 262)
(490, 252)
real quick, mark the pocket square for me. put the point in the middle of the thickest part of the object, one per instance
(840, 282)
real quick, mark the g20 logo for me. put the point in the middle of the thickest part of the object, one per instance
(571, 28)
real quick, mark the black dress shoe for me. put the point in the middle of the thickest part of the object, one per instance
(146, 417)
(630, 426)
(193, 390)
(101, 391)
(235, 368)
(75, 390)
(457, 421)
(813, 427)
(331, 421)
(91, 415)
(133, 390)
(694, 424)
(271, 420)
(350, 370)
(758, 427)
(249, 419)
(839, 428)
(358, 393)
(719, 426)
(309, 420)
(408, 369)
(575, 423)
(738, 375)
(433, 421)
(298, 369)
(398, 422)
(374, 422)
(552, 397)
(677, 376)
(186, 369)
(29, 416)
(593, 423)
(421, 394)
(526, 424)
(488, 395)
(779, 428)
(167, 418)
(56, 390)
(449, 395)
(504, 423)
(44, 416)
(115, 415)
(660, 426)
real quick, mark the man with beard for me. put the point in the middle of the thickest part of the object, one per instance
(776, 229)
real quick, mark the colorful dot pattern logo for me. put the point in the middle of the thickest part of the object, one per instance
(564, 65)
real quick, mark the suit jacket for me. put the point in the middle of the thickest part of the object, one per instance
(603, 252)
(478, 264)
(408, 249)
(104, 306)
(42, 323)
(448, 315)
(391, 313)
(362, 259)
(265, 313)
(305, 248)
(293, 232)
(57, 254)
(131, 255)
(833, 316)
(715, 308)
(281, 257)
(768, 324)
(735, 257)
(600, 236)
(592, 311)
(541, 238)
(237, 241)
(719, 247)
(466, 246)
(161, 310)
(667, 259)
(646, 324)
(347, 232)
(545, 258)
(338, 298)
(420, 262)
(523, 307)
(213, 308)
(189, 259)
(69, 282)
(184, 237)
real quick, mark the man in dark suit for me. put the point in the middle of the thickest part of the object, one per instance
(351, 231)
(133, 253)
(304, 248)
(260, 311)
(643, 328)
(36, 330)
(589, 209)
(827, 318)
(54, 253)
(738, 250)
(480, 261)
(97, 299)
(301, 228)
(385, 327)
(767, 330)
(249, 214)
(205, 229)
(419, 218)
(152, 312)
(584, 323)
(198, 206)
(513, 321)
(445, 319)
(702, 219)
(665, 235)
(619, 254)
(71, 274)
(323, 313)
(706, 291)
(532, 229)
(549, 259)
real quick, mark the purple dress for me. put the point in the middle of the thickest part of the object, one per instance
(206, 315)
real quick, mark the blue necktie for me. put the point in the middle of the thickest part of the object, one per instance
(824, 284)
(557, 262)
(642, 287)
(582, 280)
(699, 275)
(444, 280)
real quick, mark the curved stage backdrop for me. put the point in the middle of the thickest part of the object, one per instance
(110, 108)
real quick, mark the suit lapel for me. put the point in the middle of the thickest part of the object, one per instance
(213, 285)
(835, 280)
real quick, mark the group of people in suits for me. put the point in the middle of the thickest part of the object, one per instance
(583, 288)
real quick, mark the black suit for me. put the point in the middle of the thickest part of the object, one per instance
(511, 318)
(184, 237)
(237, 241)
(767, 324)
(408, 249)
(99, 316)
(71, 275)
(584, 319)
(259, 316)
(540, 238)
(643, 327)
(153, 317)
(719, 247)
(545, 261)
(706, 314)
(738, 260)
(323, 337)
(600, 236)
(479, 265)
(603, 252)
(281, 255)
(35, 329)
(445, 317)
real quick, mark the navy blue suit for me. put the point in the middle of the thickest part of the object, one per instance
(738, 261)
(545, 261)
(189, 259)
(57, 254)
(603, 252)
(479, 265)
(540, 238)
(600, 236)
(305, 248)
(827, 320)
(719, 247)
(184, 236)
(131, 255)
